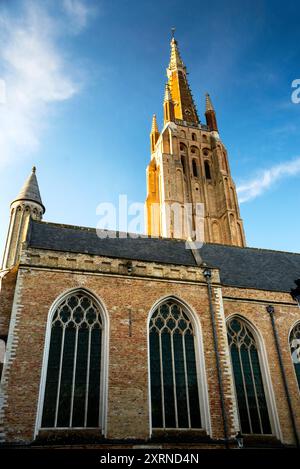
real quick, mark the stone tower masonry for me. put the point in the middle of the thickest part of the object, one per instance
(189, 166)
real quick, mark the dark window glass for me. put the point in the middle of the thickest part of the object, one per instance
(72, 392)
(155, 370)
(183, 164)
(195, 172)
(207, 170)
(52, 376)
(174, 384)
(65, 393)
(252, 405)
(295, 350)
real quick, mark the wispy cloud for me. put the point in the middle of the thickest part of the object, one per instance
(78, 12)
(267, 178)
(36, 75)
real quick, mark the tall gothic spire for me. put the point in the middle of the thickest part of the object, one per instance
(184, 106)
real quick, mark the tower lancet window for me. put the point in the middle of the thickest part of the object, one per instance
(195, 170)
(183, 164)
(207, 170)
(183, 148)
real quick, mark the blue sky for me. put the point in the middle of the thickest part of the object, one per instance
(83, 79)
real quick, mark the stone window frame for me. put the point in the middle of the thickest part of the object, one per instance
(104, 353)
(265, 372)
(200, 363)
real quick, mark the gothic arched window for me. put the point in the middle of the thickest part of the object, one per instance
(194, 165)
(183, 164)
(252, 405)
(173, 368)
(73, 382)
(207, 170)
(295, 349)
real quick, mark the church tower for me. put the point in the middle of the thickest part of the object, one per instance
(27, 204)
(189, 170)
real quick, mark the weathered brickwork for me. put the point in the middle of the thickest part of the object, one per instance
(251, 304)
(44, 276)
(7, 290)
(128, 400)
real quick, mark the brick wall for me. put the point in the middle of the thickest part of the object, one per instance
(251, 304)
(7, 290)
(47, 275)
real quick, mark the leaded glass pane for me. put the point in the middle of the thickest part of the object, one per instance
(63, 417)
(181, 384)
(80, 377)
(192, 379)
(72, 391)
(168, 379)
(240, 389)
(295, 350)
(94, 378)
(155, 370)
(174, 385)
(52, 376)
(252, 404)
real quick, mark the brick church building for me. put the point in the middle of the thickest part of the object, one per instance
(151, 339)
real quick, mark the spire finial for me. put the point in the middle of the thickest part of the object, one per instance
(33, 169)
(173, 32)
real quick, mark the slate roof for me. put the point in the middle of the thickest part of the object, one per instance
(243, 267)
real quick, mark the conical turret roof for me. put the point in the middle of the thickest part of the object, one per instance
(30, 190)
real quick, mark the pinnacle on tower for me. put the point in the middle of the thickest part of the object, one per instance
(154, 127)
(210, 114)
(169, 114)
(208, 103)
(168, 96)
(154, 134)
(30, 190)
